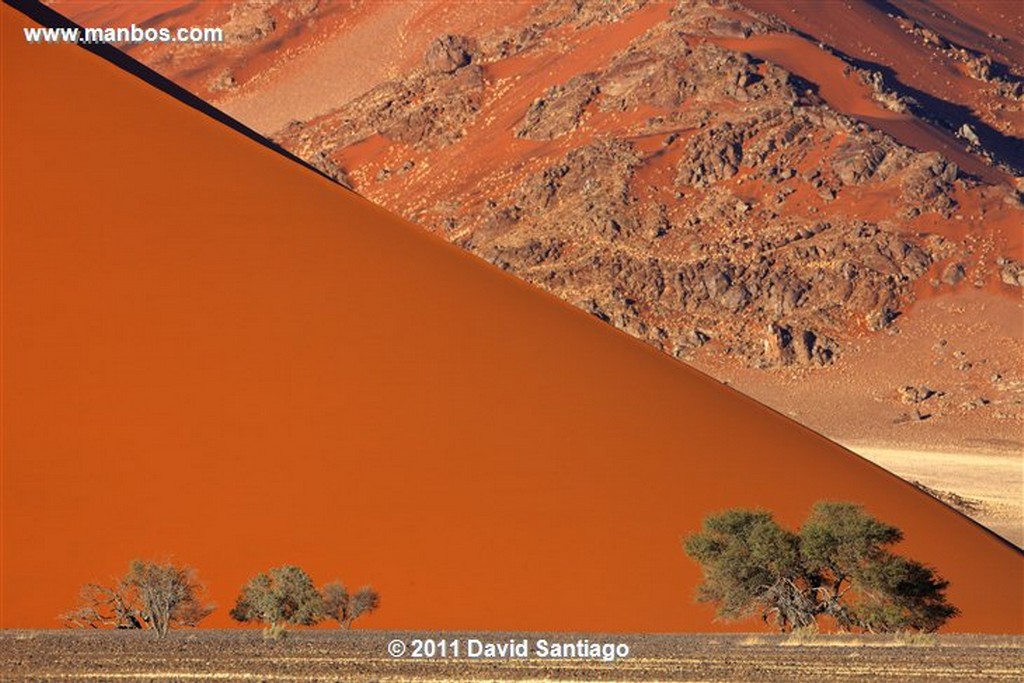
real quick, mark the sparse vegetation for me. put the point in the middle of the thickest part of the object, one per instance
(838, 567)
(803, 635)
(164, 596)
(281, 596)
(287, 596)
(917, 639)
(149, 595)
(345, 608)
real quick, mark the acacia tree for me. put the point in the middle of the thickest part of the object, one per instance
(751, 563)
(148, 595)
(839, 565)
(167, 594)
(281, 596)
(345, 608)
(104, 607)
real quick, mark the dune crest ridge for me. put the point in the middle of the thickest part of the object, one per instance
(214, 354)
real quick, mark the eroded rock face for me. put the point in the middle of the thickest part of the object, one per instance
(560, 109)
(711, 156)
(696, 197)
(928, 182)
(447, 54)
(786, 346)
(805, 283)
(429, 110)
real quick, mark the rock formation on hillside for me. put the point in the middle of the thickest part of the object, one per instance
(693, 195)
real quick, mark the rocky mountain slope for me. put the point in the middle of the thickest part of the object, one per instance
(637, 162)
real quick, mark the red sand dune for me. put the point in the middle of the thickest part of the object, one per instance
(214, 354)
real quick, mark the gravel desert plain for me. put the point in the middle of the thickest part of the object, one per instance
(489, 305)
(362, 658)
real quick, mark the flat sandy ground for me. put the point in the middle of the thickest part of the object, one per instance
(972, 443)
(989, 483)
(362, 656)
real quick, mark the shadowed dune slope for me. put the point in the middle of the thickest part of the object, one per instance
(212, 353)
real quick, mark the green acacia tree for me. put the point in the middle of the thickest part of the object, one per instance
(279, 597)
(840, 565)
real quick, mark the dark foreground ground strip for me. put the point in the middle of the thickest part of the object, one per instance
(362, 656)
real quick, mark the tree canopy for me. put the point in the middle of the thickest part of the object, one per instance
(280, 596)
(149, 595)
(345, 608)
(839, 566)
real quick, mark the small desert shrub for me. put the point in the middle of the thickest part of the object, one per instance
(916, 639)
(752, 640)
(803, 635)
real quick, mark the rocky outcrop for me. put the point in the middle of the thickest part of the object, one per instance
(698, 198)
(786, 346)
(1011, 272)
(857, 161)
(928, 184)
(560, 109)
(711, 155)
(804, 282)
(447, 54)
(430, 110)
(248, 23)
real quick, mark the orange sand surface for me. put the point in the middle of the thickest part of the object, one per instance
(213, 354)
(309, 65)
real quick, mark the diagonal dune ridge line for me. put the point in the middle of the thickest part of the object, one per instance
(213, 355)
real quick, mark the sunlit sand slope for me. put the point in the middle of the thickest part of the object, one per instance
(214, 354)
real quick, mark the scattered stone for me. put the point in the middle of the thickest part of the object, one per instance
(953, 273)
(967, 133)
(911, 394)
(954, 500)
(248, 23)
(224, 80)
(1011, 272)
